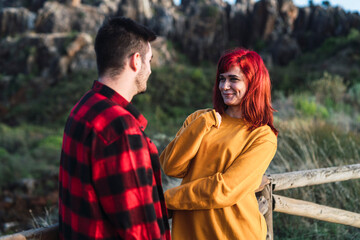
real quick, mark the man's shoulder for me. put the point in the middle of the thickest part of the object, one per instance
(114, 121)
(106, 118)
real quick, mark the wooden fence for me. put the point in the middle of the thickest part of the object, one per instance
(269, 202)
(46, 233)
(292, 206)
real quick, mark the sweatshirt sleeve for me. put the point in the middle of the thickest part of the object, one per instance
(225, 189)
(176, 157)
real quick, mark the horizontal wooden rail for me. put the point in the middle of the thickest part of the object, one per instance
(289, 180)
(45, 233)
(307, 209)
(281, 204)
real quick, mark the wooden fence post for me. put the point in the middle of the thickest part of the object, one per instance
(265, 200)
(267, 193)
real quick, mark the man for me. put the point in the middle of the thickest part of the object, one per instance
(109, 180)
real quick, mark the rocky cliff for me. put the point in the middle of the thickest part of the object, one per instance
(202, 28)
(47, 40)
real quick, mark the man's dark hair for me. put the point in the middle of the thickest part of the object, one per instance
(117, 39)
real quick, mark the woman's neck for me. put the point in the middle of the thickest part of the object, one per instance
(234, 112)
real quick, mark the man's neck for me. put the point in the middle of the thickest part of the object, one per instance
(120, 84)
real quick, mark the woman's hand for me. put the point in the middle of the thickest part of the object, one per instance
(218, 116)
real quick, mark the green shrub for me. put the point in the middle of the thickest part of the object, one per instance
(4, 155)
(333, 44)
(354, 76)
(354, 94)
(354, 35)
(329, 89)
(309, 66)
(48, 150)
(209, 11)
(49, 107)
(308, 107)
(28, 151)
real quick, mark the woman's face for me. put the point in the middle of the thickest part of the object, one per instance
(232, 86)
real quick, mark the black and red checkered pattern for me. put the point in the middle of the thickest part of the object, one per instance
(109, 179)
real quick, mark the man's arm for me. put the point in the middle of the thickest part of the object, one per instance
(123, 179)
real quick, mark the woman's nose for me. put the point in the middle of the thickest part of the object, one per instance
(226, 85)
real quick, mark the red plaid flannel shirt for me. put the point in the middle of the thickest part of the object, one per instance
(109, 179)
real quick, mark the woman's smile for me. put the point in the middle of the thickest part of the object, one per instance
(232, 86)
(227, 95)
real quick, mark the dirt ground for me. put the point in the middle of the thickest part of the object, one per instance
(28, 203)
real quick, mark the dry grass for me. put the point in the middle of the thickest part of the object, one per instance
(314, 144)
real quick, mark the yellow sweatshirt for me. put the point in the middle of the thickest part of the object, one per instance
(221, 169)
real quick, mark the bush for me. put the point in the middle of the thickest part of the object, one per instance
(310, 145)
(28, 151)
(329, 89)
(48, 149)
(300, 72)
(308, 107)
(209, 11)
(354, 94)
(49, 107)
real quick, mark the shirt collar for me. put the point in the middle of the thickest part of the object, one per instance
(120, 100)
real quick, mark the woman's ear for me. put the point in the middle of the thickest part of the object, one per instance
(135, 62)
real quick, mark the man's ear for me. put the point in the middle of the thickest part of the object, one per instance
(135, 62)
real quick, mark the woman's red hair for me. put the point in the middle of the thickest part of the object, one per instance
(256, 104)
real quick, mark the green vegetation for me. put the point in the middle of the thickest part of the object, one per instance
(338, 55)
(174, 92)
(318, 119)
(209, 11)
(309, 145)
(28, 152)
(45, 105)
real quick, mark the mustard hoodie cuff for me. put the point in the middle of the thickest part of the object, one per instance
(217, 123)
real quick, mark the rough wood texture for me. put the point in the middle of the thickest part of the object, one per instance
(263, 205)
(48, 233)
(314, 177)
(316, 211)
(264, 195)
(267, 193)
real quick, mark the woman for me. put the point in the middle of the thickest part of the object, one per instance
(222, 154)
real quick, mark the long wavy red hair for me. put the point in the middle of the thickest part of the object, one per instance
(256, 104)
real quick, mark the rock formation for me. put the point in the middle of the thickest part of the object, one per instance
(202, 28)
(45, 55)
(53, 38)
(139, 10)
(16, 20)
(204, 36)
(55, 17)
